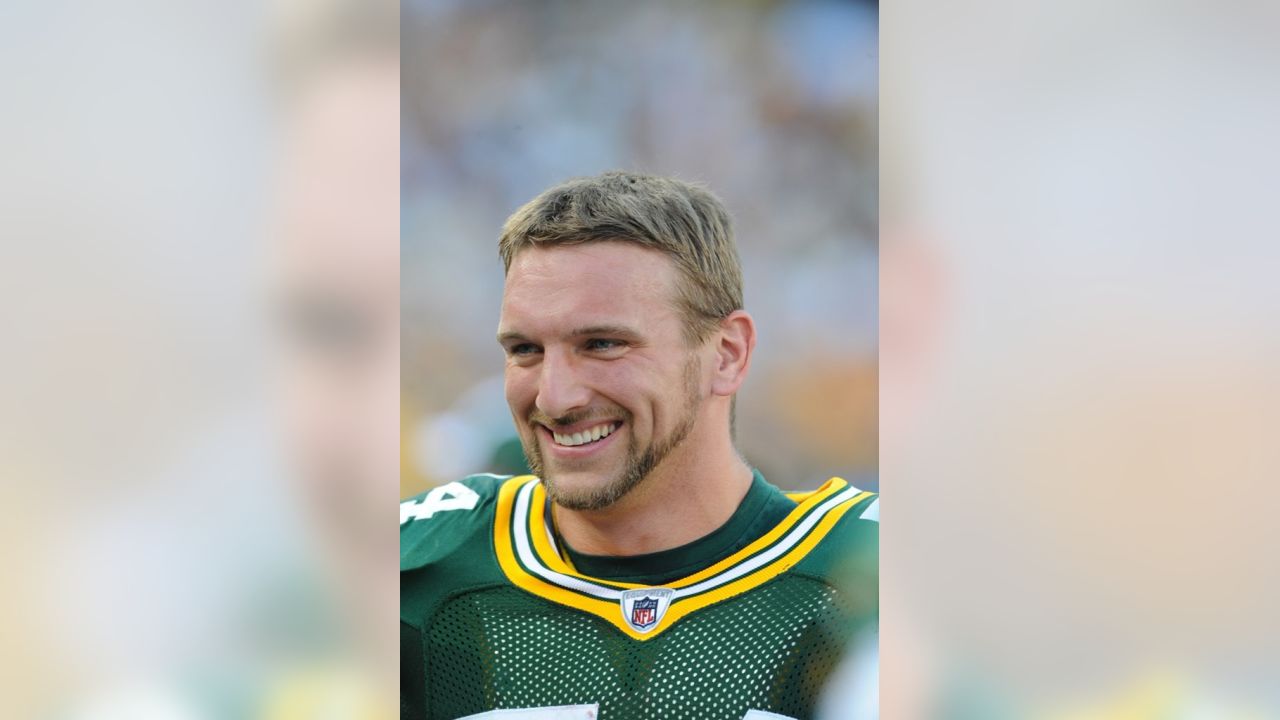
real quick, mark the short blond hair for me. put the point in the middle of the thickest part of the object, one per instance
(683, 220)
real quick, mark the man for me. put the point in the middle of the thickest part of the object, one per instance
(644, 570)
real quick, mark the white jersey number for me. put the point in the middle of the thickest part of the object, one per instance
(453, 496)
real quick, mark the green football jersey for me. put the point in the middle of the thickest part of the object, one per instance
(496, 613)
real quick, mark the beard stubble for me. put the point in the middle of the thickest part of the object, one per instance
(636, 467)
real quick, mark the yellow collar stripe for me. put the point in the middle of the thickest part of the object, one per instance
(546, 552)
(767, 573)
(542, 539)
(769, 551)
(504, 547)
(827, 491)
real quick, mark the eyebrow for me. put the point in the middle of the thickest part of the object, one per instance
(508, 336)
(622, 330)
(604, 330)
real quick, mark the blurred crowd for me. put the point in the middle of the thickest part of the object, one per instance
(201, 375)
(504, 99)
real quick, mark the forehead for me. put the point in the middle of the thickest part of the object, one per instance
(617, 282)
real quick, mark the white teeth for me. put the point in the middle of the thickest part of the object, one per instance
(584, 437)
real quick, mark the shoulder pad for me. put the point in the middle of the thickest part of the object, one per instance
(437, 523)
(852, 548)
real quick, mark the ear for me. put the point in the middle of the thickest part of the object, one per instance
(734, 345)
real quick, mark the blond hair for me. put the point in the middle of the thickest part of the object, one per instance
(683, 220)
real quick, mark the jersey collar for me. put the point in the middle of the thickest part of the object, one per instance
(529, 556)
(763, 507)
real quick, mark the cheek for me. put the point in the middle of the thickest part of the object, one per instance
(521, 387)
(636, 389)
(672, 397)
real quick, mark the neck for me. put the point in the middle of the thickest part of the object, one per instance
(694, 491)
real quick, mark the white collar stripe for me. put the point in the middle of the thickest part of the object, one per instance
(756, 562)
(529, 559)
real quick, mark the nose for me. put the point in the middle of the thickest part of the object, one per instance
(560, 385)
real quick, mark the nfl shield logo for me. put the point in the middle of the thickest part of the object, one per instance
(644, 612)
(643, 608)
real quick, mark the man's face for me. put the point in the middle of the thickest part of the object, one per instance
(600, 379)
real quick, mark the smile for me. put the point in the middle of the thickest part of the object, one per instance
(590, 435)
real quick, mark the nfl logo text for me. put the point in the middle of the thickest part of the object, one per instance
(644, 612)
(643, 608)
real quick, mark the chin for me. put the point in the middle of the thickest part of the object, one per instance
(577, 491)
(573, 483)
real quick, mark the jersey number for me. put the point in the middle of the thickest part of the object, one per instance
(454, 496)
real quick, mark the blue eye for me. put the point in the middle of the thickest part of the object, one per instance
(523, 349)
(601, 344)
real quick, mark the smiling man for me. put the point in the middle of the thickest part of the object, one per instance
(644, 570)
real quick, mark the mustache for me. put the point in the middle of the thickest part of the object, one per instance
(537, 417)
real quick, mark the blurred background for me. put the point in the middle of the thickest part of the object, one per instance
(1079, 388)
(772, 104)
(198, 406)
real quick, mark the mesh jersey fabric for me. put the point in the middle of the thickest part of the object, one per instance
(475, 640)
